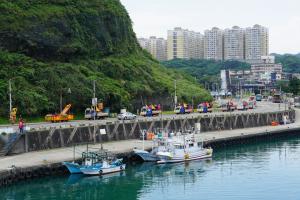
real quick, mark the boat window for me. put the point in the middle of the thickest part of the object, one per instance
(191, 145)
(179, 147)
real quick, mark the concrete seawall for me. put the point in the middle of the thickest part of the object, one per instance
(43, 138)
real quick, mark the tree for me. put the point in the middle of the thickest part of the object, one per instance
(294, 86)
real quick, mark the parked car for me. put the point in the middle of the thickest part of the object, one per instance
(126, 116)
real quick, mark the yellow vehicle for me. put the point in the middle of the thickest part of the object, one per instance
(61, 117)
(13, 115)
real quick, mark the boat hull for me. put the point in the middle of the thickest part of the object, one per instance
(206, 153)
(101, 170)
(74, 168)
(146, 156)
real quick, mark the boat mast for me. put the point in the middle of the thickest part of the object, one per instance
(74, 153)
(143, 133)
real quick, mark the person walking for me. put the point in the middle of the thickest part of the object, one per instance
(21, 125)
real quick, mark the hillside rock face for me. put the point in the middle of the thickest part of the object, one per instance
(49, 46)
(64, 29)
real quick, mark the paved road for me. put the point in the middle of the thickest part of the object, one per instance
(261, 107)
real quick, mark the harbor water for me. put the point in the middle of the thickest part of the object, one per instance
(260, 170)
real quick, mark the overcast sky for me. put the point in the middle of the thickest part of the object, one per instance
(155, 17)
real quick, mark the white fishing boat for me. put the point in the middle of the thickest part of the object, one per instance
(159, 145)
(183, 149)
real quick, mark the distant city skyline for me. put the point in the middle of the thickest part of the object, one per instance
(156, 17)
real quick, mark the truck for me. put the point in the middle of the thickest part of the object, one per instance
(63, 116)
(277, 98)
(258, 97)
(204, 108)
(228, 107)
(149, 111)
(95, 112)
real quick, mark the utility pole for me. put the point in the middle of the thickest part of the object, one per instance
(94, 95)
(94, 88)
(10, 98)
(60, 100)
(175, 95)
(69, 92)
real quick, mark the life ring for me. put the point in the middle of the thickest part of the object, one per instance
(100, 172)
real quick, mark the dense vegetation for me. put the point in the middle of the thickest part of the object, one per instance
(290, 63)
(209, 70)
(47, 47)
(206, 71)
(292, 86)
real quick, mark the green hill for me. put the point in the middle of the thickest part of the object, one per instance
(290, 62)
(47, 47)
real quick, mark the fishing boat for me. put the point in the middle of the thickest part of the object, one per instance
(89, 158)
(159, 145)
(147, 156)
(184, 149)
(105, 167)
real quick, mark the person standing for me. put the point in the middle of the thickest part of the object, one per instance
(21, 125)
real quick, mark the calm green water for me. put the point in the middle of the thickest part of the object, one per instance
(267, 170)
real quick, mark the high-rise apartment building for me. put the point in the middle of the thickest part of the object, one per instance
(156, 46)
(234, 44)
(213, 44)
(256, 43)
(144, 43)
(184, 44)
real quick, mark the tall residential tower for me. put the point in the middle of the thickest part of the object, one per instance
(213, 44)
(156, 46)
(234, 44)
(184, 44)
(256, 43)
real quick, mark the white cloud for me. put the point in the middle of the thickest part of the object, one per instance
(285, 38)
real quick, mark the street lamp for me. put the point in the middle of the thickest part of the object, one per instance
(69, 92)
(10, 98)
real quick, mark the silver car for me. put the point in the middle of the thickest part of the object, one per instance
(126, 116)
